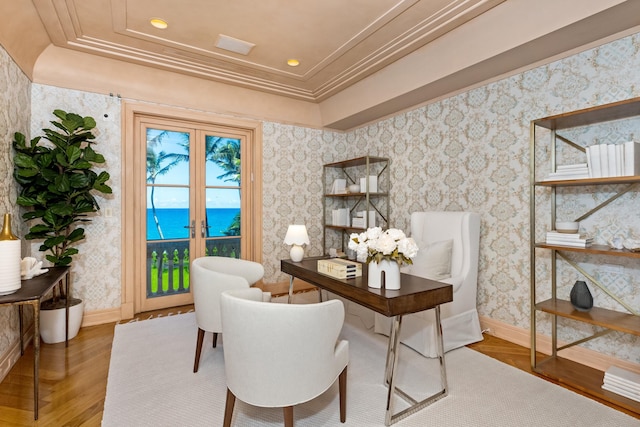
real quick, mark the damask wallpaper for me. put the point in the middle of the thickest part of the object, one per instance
(466, 152)
(15, 104)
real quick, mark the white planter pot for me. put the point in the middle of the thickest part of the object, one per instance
(52, 323)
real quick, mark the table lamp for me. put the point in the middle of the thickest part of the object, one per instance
(296, 236)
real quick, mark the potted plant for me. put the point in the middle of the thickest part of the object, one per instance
(58, 183)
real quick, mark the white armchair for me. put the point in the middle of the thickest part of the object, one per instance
(449, 245)
(281, 355)
(210, 276)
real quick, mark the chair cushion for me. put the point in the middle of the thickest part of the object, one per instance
(433, 260)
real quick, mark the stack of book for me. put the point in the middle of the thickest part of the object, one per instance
(577, 171)
(622, 382)
(606, 160)
(340, 268)
(576, 240)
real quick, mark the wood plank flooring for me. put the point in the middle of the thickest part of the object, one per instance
(73, 380)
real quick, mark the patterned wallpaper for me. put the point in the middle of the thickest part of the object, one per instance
(466, 152)
(15, 100)
(100, 251)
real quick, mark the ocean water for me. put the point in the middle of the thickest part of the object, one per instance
(172, 222)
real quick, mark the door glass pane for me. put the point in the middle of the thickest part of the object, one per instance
(223, 161)
(222, 181)
(168, 214)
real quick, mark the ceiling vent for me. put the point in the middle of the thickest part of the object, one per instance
(234, 45)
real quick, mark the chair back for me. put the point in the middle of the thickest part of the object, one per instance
(463, 227)
(212, 275)
(279, 355)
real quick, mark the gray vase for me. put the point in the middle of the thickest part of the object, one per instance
(581, 298)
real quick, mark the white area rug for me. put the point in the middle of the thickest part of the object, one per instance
(151, 383)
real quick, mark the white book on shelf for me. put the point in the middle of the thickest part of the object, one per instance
(594, 155)
(631, 158)
(339, 186)
(604, 160)
(619, 160)
(611, 156)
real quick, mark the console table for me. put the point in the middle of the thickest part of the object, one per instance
(415, 294)
(32, 292)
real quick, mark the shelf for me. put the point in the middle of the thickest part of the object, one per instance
(584, 379)
(346, 229)
(359, 161)
(593, 249)
(356, 195)
(610, 319)
(588, 116)
(614, 180)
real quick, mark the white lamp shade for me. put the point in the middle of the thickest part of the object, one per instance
(297, 235)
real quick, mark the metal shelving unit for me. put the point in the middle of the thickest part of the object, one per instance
(370, 201)
(554, 366)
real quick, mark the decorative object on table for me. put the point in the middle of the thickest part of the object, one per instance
(340, 268)
(384, 251)
(580, 296)
(31, 267)
(58, 183)
(296, 237)
(9, 259)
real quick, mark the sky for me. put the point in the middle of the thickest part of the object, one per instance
(179, 175)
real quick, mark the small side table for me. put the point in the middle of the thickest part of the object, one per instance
(32, 293)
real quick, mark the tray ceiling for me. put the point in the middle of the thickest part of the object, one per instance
(337, 42)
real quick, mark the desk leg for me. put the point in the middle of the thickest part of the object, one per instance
(21, 330)
(392, 363)
(36, 356)
(290, 290)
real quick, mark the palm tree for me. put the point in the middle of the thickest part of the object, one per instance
(156, 167)
(227, 157)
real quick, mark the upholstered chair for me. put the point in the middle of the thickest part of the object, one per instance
(280, 355)
(449, 245)
(210, 276)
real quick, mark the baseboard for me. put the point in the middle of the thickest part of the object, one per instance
(11, 356)
(581, 355)
(99, 317)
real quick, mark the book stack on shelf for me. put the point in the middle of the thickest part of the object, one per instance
(360, 220)
(622, 382)
(576, 240)
(340, 268)
(577, 171)
(340, 217)
(608, 160)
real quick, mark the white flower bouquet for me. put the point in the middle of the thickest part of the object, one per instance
(374, 245)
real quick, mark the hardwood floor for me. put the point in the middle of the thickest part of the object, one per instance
(73, 380)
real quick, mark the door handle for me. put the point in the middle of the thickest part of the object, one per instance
(203, 228)
(193, 228)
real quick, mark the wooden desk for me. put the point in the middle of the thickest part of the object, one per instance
(415, 294)
(32, 292)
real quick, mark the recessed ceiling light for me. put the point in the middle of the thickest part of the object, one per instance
(159, 23)
(293, 62)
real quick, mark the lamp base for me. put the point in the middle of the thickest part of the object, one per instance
(296, 253)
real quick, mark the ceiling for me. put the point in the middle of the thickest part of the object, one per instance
(337, 42)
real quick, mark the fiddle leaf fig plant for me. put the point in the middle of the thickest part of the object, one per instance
(58, 183)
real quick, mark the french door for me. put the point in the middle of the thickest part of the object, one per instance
(196, 201)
